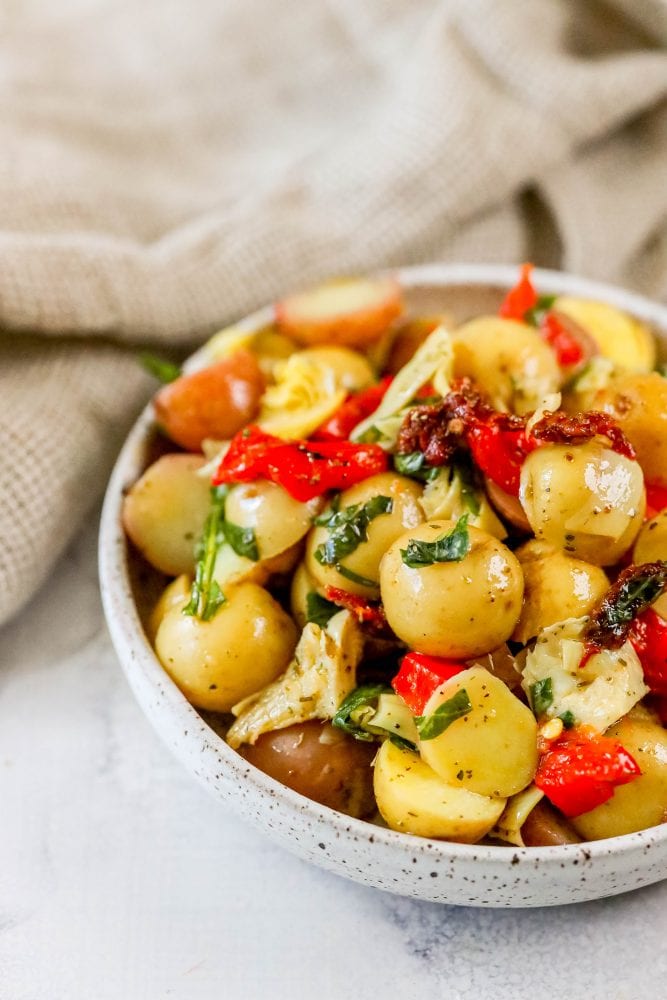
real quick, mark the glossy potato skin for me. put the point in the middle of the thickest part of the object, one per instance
(217, 663)
(638, 404)
(278, 520)
(164, 512)
(556, 587)
(586, 500)
(650, 546)
(320, 762)
(453, 609)
(175, 593)
(382, 531)
(545, 827)
(214, 402)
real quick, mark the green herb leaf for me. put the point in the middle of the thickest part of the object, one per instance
(568, 719)
(242, 540)
(371, 435)
(535, 315)
(160, 368)
(401, 742)
(362, 698)
(469, 492)
(430, 726)
(635, 589)
(541, 695)
(348, 528)
(319, 610)
(206, 597)
(451, 547)
(415, 465)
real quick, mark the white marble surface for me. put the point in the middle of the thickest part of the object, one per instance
(120, 879)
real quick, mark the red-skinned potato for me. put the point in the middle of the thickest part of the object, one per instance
(354, 312)
(320, 762)
(544, 827)
(214, 402)
(507, 506)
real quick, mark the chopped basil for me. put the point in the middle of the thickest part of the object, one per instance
(401, 743)
(242, 540)
(468, 489)
(430, 726)
(319, 610)
(541, 695)
(415, 466)
(206, 597)
(568, 719)
(159, 368)
(362, 701)
(535, 315)
(348, 528)
(353, 577)
(450, 547)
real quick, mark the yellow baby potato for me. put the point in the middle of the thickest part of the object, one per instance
(364, 561)
(302, 585)
(584, 499)
(412, 798)
(651, 543)
(278, 520)
(492, 750)
(165, 510)
(244, 647)
(176, 593)
(620, 337)
(508, 360)
(638, 404)
(452, 609)
(556, 587)
(643, 801)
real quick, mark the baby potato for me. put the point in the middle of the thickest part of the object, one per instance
(217, 663)
(638, 404)
(364, 561)
(620, 337)
(651, 543)
(320, 762)
(556, 587)
(493, 749)
(352, 371)
(412, 798)
(214, 402)
(508, 360)
(278, 520)
(453, 609)
(643, 801)
(585, 499)
(164, 512)
(302, 585)
(176, 593)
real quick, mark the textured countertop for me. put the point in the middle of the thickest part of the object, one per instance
(121, 879)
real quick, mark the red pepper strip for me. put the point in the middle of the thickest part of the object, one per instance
(356, 408)
(648, 635)
(565, 346)
(656, 499)
(365, 612)
(521, 298)
(420, 675)
(580, 770)
(500, 453)
(305, 469)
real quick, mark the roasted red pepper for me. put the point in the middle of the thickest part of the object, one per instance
(356, 408)
(366, 612)
(656, 499)
(580, 770)
(305, 469)
(564, 344)
(521, 298)
(420, 675)
(648, 635)
(500, 453)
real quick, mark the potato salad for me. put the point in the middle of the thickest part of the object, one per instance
(416, 569)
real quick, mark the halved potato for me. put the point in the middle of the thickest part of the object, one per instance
(493, 749)
(620, 337)
(412, 798)
(351, 311)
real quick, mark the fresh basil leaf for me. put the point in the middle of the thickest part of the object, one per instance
(319, 610)
(535, 315)
(469, 492)
(353, 577)
(365, 696)
(242, 540)
(568, 719)
(401, 742)
(206, 597)
(541, 695)
(348, 528)
(159, 368)
(450, 547)
(415, 465)
(430, 726)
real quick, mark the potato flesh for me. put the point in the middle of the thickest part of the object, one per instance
(412, 798)
(493, 749)
(165, 510)
(586, 500)
(452, 609)
(642, 802)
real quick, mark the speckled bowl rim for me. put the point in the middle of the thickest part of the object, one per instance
(144, 671)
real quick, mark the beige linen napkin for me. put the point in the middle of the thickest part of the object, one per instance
(166, 166)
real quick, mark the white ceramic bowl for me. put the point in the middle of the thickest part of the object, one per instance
(476, 875)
